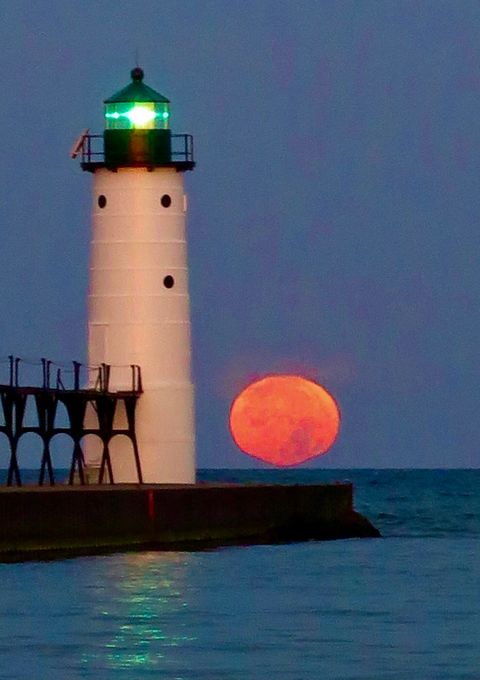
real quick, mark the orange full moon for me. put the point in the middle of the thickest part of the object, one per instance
(284, 420)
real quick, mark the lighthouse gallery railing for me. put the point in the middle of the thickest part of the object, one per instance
(92, 149)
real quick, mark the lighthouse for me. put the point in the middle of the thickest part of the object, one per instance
(138, 300)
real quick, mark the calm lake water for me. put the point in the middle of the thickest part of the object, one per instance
(402, 607)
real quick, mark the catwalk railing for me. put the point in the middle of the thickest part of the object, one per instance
(90, 148)
(35, 394)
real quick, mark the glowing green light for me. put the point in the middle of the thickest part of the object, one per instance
(140, 115)
(137, 115)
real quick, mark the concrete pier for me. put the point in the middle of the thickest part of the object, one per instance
(48, 522)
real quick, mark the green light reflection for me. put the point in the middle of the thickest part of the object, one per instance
(142, 609)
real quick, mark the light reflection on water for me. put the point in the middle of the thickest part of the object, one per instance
(144, 596)
(393, 609)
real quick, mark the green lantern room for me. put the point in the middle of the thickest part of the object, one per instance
(137, 126)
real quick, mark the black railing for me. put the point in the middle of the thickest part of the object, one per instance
(49, 375)
(91, 149)
(182, 148)
(31, 401)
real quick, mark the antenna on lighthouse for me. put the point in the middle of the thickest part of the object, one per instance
(78, 144)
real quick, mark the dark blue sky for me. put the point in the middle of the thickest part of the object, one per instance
(334, 212)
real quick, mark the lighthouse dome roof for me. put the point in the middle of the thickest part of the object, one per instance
(136, 91)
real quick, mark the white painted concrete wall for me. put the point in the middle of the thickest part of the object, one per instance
(135, 319)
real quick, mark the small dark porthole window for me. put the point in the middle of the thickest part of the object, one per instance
(168, 281)
(102, 201)
(166, 201)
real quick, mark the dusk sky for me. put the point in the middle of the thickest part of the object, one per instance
(334, 214)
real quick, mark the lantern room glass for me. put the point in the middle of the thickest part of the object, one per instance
(137, 116)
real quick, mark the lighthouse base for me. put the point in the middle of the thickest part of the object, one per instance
(43, 523)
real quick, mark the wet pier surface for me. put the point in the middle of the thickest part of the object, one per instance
(45, 522)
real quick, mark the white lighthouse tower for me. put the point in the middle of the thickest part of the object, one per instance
(138, 303)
